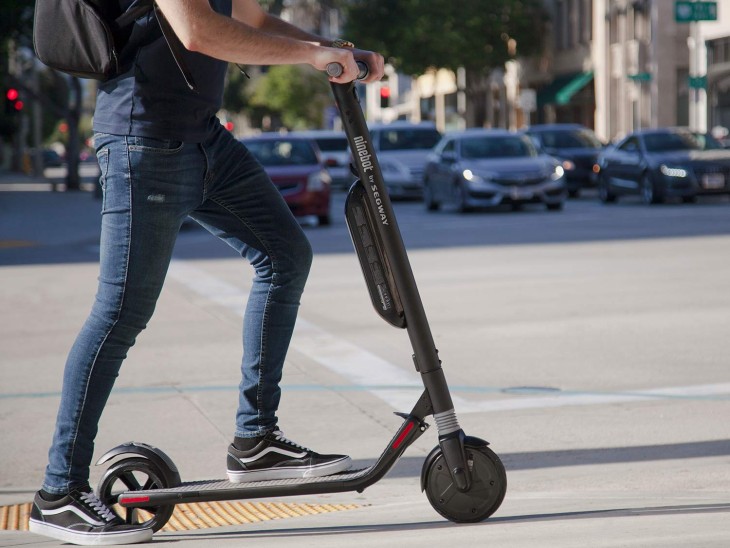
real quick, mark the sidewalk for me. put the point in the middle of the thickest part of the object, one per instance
(603, 323)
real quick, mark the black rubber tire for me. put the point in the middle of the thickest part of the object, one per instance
(650, 194)
(429, 202)
(135, 474)
(484, 497)
(604, 191)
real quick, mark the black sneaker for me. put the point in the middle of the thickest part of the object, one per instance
(81, 518)
(275, 457)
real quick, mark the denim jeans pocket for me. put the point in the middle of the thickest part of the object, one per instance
(155, 146)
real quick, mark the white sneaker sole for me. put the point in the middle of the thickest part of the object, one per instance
(327, 469)
(90, 539)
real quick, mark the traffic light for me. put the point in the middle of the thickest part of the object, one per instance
(13, 103)
(384, 96)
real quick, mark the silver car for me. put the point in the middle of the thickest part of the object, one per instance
(403, 149)
(488, 167)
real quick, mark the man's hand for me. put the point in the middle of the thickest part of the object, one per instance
(346, 58)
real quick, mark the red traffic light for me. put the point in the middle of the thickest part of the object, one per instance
(12, 94)
(19, 105)
(385, 92)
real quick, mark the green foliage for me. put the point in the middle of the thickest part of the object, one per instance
(416, 35)
(297, 93)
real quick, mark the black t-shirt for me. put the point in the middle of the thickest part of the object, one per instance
(151, 98)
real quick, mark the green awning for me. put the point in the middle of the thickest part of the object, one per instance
(561, 90)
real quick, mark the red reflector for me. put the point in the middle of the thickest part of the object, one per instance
(403, 435)
(133, 500)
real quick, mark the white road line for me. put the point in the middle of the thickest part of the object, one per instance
(362, 368)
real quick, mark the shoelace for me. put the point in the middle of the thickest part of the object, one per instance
(99, 507)
(280, 437)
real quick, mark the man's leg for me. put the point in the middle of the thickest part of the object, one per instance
(149, 185)
(245, 209)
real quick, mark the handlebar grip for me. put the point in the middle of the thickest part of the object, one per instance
(335, 69)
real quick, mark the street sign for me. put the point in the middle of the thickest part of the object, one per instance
(698, 82)
(640, 77)
(686, 11)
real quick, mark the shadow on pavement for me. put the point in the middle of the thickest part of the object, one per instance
(411, 466)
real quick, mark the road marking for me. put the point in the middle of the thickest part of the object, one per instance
(394, 385)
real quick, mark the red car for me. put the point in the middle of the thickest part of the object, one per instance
(296, 168)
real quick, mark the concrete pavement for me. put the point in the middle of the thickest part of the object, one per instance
(597, 370)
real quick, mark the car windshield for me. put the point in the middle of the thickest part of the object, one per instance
(332, 144)
(497, 147)
(574, 138)
(670, 140)
(409, 138)
(282, 152)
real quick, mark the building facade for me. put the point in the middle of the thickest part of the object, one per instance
(611, 65)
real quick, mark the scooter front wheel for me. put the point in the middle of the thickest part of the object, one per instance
(484, 496)
(135, 474)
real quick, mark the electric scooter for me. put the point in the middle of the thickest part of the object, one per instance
(464, 480)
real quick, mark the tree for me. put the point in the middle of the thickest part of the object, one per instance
(478, 35)
(298, 94)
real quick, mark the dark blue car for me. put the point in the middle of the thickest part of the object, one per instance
(575, 146)
(661, 163)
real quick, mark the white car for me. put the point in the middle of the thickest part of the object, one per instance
(335, 153)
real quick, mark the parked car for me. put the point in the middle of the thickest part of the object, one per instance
(51, 158)
(295, 167)
(489, 167)
(335, 153)
(662, 163)
(403, 149)
(576, 147)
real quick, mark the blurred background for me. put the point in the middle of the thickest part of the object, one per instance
(612, 66)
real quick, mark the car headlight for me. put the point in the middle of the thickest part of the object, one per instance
(673, 171)
(558, 172)
(472, 177)
(318, 180)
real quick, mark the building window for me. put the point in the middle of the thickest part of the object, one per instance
(585, 21)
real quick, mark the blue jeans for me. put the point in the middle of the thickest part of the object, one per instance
(149, 187)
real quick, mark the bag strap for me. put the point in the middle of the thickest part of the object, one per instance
(173, 42)
(176, 48)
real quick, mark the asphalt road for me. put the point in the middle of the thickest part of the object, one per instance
(589, 346)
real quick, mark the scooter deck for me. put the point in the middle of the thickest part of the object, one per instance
(214, 490)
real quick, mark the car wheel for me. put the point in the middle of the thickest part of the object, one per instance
(555, 207)
(575, 193)
(431, 204)
(604, 191)
(324, 220)
(649, 193)
(689, 199)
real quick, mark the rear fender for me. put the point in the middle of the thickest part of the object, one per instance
(153, 454)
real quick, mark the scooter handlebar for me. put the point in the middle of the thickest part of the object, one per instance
(335, 69)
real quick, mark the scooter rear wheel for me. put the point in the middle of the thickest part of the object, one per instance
(484, 496)
(135, 474)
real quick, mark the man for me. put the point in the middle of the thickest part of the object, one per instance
(163, 156)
